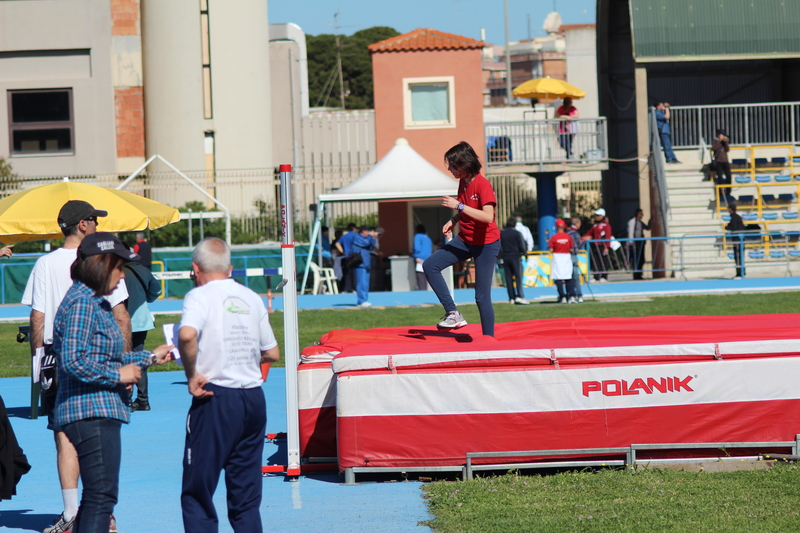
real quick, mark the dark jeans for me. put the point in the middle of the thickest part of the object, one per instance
(224, 432)
(666, 144)
(565, 140)
(455, 251)
(601, 262)
(724, 177)
(636, 258)
(576, 276)
(736, 243)
(137, 341)
(570, 288)
(512, 267)
(97, 441)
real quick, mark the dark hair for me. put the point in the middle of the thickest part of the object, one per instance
(511, 222)
(462, 156)
(70, 230)
(420, 228)
(351, 227)
(638, 210)
(95, 271)
(324, 229)
(337, 234)
(732, 207)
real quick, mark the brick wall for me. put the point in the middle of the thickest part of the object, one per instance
(125, 17)
(130, 121)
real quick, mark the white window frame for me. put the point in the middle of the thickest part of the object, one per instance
(429, 124)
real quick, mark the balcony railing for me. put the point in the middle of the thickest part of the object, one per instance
(545, 142)
(746, 124)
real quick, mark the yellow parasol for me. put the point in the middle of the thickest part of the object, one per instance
(31, 215)
(548, 88)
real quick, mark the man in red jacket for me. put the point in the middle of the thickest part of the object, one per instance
(601, 230)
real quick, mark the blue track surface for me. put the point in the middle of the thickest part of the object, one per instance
(150, 478)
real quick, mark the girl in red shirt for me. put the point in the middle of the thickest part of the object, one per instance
(478, 238)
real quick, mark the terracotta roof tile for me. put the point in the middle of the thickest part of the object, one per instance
(426, 39)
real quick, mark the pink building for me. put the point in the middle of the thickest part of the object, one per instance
(429, 90)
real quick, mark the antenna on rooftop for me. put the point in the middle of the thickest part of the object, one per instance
(339, 57)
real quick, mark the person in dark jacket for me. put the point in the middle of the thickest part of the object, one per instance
(513, 247)
(736, 226)
(143, 289)
(720, 147)
(13, 463)
(143, 249)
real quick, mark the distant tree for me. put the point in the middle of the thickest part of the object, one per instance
(356, 67)
(8, 180)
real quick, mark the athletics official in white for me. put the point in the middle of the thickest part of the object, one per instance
(224, 337)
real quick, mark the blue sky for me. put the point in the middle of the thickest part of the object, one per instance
(463, 17)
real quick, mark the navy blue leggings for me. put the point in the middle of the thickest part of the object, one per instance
(455, 251)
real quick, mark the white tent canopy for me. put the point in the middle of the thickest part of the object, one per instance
(401, 174)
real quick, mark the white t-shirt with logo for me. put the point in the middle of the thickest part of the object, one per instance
(49, 282)
(233, 329)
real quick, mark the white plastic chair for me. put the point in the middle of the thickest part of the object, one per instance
(323, 280)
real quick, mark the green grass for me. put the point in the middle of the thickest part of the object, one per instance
(15, 358)
(614, 500)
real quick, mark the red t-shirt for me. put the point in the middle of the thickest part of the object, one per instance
(561, 243)
(600, 230)
(477, 194)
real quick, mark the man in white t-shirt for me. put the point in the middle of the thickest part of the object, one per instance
(224, 338)
(526, 233)
(48, 283)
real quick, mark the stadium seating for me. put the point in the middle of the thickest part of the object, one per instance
(777, 254)
(768, 198)
(783, 178)
(726, 218)
(780, 161)
(742, 179)
(756, 254)
(790, 215)
(769, 216)
(787, 197)
(762, 162)
(764, 178)
(739, 163)
(749, 216)
(746, 199)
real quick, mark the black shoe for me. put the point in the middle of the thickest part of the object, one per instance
(139, 405)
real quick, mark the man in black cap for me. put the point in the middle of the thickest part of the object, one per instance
(47, 285)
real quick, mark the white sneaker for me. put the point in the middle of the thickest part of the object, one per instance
(563, 301)
(572, 300)
(364, 305)
(603, 280)
(580, 299)
(452, 320)
(521, 301)
(61, 525)
(512, 302)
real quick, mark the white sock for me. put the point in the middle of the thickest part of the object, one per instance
(70, 497)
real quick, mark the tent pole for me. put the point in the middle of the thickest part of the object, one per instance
(314, 233)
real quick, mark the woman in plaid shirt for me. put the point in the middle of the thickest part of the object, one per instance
(93, 371)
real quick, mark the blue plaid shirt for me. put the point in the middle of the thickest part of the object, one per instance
(89, 348)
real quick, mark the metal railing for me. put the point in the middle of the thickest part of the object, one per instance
(542, 142)
(693, 253)
(745, 124)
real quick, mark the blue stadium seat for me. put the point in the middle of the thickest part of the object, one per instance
(742, 179)
(763, 179)
(779, 161)
(770, 216)
(787, 197)
(777, 254)
(756, 254)
(730, 255)
(791, 215)
(762, 162)
(741, 162)
(749, 216)
(746, 199)
(783, 178)
(794, 253)
(793, 234)
(726, 218)
(768, 198)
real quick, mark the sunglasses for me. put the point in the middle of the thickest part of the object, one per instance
(91, 219)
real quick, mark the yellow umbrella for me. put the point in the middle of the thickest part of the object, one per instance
(548, 88)
(31, 215)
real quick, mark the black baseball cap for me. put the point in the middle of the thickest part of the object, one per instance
(74, 211)
(102, 242)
